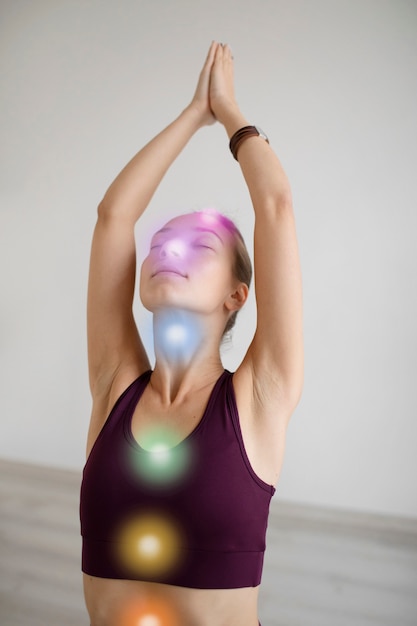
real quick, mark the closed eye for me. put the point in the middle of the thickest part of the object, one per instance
(204, 243)
(157, 242)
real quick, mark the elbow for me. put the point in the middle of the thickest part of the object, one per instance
(105, 207)
(281, 200)
(276, 204)
(108, 210)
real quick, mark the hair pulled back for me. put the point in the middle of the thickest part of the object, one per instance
(242, 266)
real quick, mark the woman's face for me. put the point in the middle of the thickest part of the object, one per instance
(189, 266)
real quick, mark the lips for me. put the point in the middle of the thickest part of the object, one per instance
(169, 269)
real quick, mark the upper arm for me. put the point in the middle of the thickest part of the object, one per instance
(113, 339)
(275, 355)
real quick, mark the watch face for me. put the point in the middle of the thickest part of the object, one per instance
(261, 133)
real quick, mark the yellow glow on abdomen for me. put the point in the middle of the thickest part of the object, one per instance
(149, 545)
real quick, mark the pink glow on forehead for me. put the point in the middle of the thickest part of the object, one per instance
(211, 217)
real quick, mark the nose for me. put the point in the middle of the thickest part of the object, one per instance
(173, 248)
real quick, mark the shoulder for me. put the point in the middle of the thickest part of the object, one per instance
(107, 393)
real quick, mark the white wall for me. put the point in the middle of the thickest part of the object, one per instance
(85, 84)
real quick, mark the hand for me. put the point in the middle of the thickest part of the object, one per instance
(222, 94)
(201, 101)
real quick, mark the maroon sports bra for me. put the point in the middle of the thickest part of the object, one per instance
(193, 515)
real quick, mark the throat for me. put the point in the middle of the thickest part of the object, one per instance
(187, 357)
(178, 337)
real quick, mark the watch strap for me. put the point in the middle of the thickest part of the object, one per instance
(244, 133)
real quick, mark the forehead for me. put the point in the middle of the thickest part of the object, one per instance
(191, 222)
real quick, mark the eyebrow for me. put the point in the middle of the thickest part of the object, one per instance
(162, 230)
(196, 228)
(208, 230)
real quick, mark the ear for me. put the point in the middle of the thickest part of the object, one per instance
(237, 299)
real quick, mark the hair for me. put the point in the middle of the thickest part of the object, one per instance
(242, 266)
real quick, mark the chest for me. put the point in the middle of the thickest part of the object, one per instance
(153, 423)
(177, 421)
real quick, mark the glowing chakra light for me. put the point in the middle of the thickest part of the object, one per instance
(176, 247)
(152, 611)
(213, 219)
(209, 216)
(178, 333)
(149, 620)
(162, 460)
(160, 454)
(150, 545)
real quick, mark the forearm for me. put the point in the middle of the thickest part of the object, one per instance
(131, 191)
(264, 175)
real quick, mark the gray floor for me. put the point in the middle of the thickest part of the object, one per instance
(323, 568)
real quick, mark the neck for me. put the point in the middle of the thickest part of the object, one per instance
(187, 353)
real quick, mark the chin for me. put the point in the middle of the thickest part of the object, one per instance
(156, 302)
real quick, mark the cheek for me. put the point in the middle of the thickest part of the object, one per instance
(143, 272)
(214, 273)
(206, 262)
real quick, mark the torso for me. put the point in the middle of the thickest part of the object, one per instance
(107, 598)
(125, 602)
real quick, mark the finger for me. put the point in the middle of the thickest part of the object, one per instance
(219, 53)
(208, 63)
(228, 52)
(210, 57)
(212, 50)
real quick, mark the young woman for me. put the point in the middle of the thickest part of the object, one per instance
(183, 459)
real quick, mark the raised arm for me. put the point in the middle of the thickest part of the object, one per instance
(275, 356)
(115, 350)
